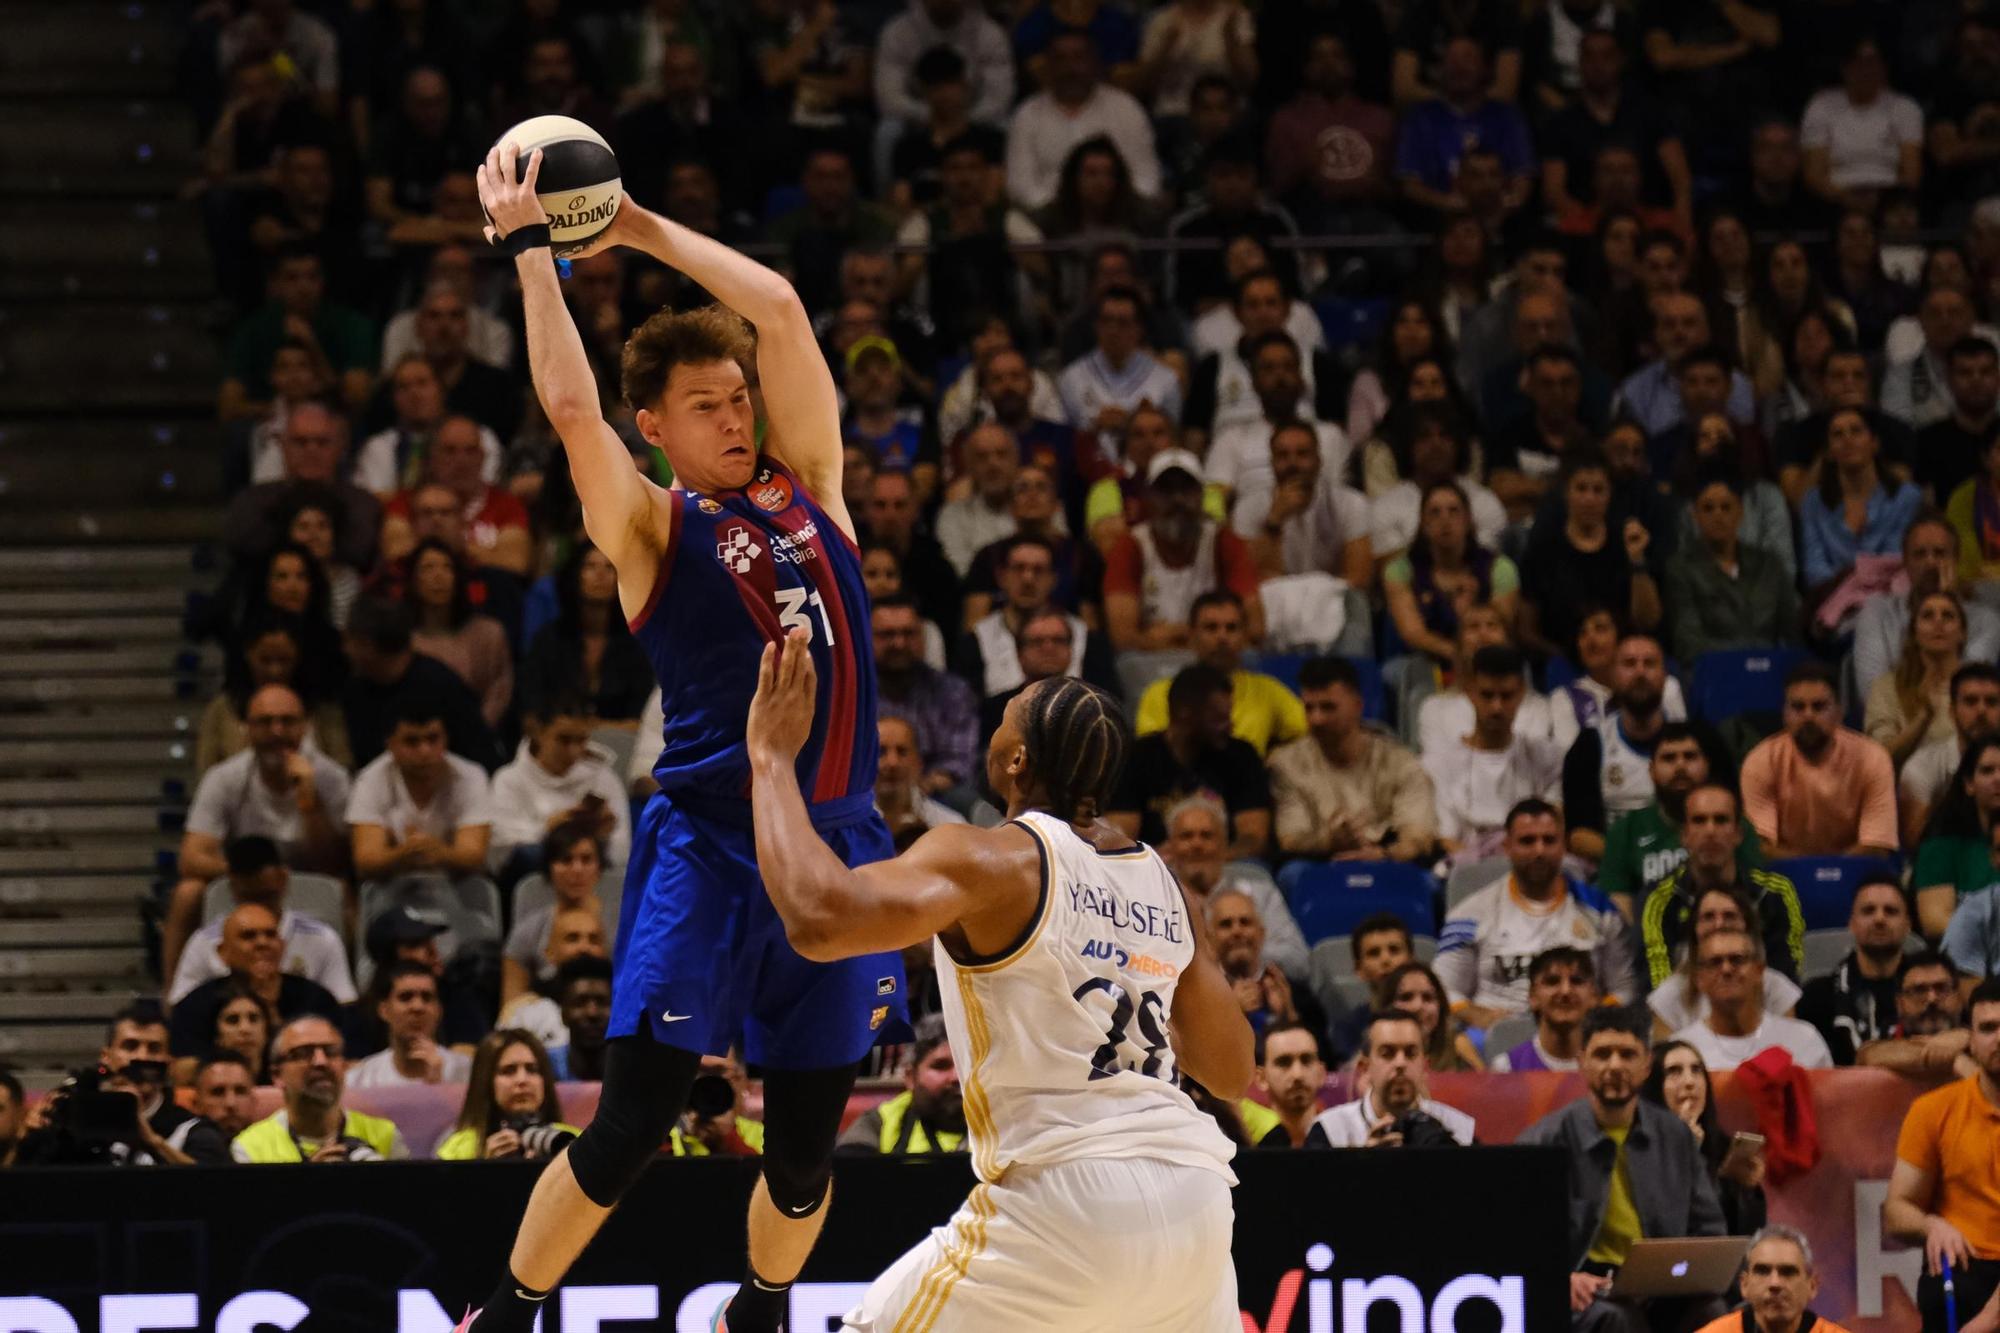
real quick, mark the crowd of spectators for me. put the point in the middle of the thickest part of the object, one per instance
(1399, 404)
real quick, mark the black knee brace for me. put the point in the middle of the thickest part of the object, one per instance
(802, 1110)
(645, 1089)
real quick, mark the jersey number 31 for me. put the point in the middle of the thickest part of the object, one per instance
(792, 615)
(1120, 1051)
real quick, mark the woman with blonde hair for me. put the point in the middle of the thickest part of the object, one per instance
(1911, 705)
(510, 1107)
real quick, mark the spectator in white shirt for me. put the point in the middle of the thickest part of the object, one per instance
(412, 1011)
(1861, 138)
(1101, 389)
(966, 526)
(277, 789)
(1447, 715)
(1306, 521)
(959, 25)
(1239, 454)
(1076, 105)
(1392, 1084)
(1729, 973)
(1479, 776)
(311, 948)
(421, 819)
(556, 777)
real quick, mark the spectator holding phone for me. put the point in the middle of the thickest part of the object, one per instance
(1680, 1082)
(558, 777)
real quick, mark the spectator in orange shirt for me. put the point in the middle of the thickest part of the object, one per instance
(1944, 1193)
(1817, 788)
(1778, 1283)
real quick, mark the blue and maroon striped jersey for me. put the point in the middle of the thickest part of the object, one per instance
(741, 568)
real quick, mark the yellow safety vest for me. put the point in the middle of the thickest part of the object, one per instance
(750, 1131)
(904, 1133)
(463, 1145)
(271, 1140)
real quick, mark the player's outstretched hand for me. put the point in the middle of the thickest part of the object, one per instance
(509, 203)
(781, 713)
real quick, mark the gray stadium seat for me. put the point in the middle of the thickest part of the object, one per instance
(1508, 1033)
(316, 896)
(534, 893)
(1467, 880)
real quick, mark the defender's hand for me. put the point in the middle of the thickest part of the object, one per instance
(510, 203)
(781, 713)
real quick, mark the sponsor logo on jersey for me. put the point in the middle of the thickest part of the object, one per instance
(878, 1017)
(737, 549)
(769, 491)
(795, 548)
(1142, 963)
(885, 986)
(708, 506)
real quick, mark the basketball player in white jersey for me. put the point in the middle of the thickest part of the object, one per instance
(1077, 984)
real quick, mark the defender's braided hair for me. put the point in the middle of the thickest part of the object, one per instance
(1075, 735)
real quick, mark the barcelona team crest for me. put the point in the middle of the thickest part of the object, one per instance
(708, 506)
(878, 1018)
(769, 492)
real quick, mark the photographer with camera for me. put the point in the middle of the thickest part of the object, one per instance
(510, 1109)
(1393, 1108)
(713, 1125)
(311, 1061)
(928, 1116)
(118, 1113)
(412, 1010)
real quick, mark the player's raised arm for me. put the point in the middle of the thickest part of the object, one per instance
(1213, 1043)
(956, 877)
(799, 398)
(617, 501)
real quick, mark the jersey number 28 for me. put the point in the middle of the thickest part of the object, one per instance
(1120, 1051)
(792, 615)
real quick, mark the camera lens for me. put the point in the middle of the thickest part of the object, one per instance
(711, 1095)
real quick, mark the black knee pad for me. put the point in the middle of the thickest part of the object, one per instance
(802, 1110)
(645, 1087)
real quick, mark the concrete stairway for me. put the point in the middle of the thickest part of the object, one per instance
(109, 490)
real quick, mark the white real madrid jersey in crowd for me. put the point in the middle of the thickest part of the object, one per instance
(1624, 771)
(1491, 937)
(1062, 1043)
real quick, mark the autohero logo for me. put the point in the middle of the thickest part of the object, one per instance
(600, 1309)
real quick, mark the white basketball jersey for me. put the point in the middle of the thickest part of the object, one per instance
(1062, 1043)
(1627, 774)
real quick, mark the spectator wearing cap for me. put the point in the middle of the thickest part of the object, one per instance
(900, 439)
(1947, 1173)
(1154, 572)
(311, 449)
(928, 1116)
(1634, 1172)
(1197, 752)
(1438, 134)
(412, 1010)
(252, 952)
(1779, 1283)
(1856, 1002)
(312, 1125)
(1392, 1087)
(1101, 389)
(988, 655)
(1196, 849)
(1478, 777)
(310, 947)
(1263, 710)
(1491, 939)
(422, 823)
(410, 934)
(1075, 104)
(494, 523)
(1562, 988)
(1729, 976)
(1343, 791)
(1817, 788)
(939, 705)
(279, 789)
(385, 669)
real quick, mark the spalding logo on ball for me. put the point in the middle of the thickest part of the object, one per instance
(579, 185)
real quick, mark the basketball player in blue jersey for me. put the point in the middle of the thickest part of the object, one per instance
(746, 546)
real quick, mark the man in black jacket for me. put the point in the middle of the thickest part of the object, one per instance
(1856, 1003)
(134, 1062)
(1635, 1173)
